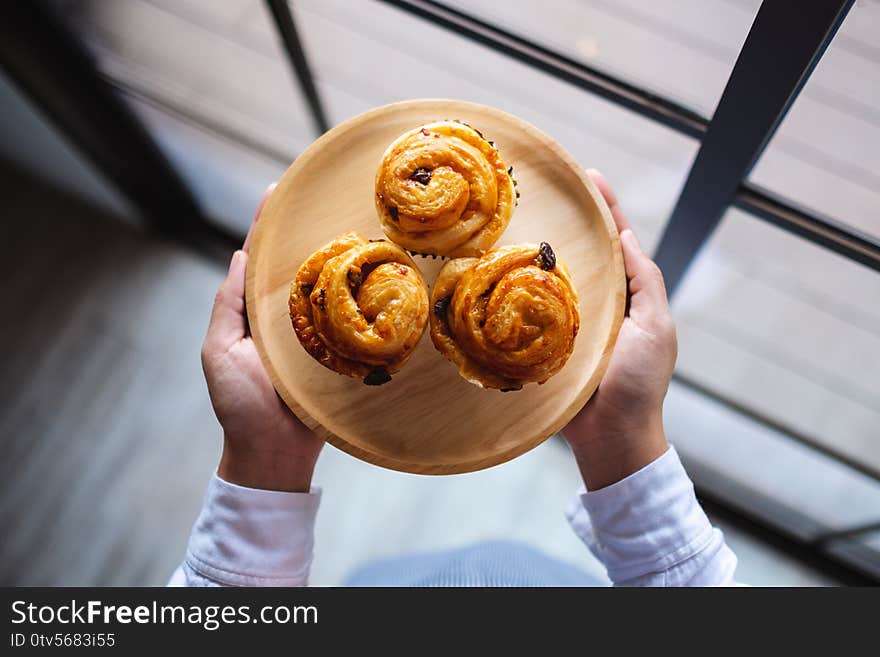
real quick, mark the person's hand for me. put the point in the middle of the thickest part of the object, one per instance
(620, 430)
(264, 443)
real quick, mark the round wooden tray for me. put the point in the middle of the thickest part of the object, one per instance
(428, 419)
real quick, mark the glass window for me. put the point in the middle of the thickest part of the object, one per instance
(229, 115)
(227, 178)
(766, 473)
(197, 58)
(30, 140)
(786, 329)
(367, 54)
(826, 153)
(681, 49)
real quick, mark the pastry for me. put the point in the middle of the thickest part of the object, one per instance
(443, 189)
(359, 307)
(507, 318)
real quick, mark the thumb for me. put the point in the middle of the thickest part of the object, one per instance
(228, 324)
(646, 287)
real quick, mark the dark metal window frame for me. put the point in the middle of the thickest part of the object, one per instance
(792, 35)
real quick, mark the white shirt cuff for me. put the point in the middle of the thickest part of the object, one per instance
(250, 537)
(644, 524)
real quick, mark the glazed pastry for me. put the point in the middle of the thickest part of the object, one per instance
(507, 318)
(359, 307)
(443, 189)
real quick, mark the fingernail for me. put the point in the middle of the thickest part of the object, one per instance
(630, 236)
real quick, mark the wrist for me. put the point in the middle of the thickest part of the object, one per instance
(266, 469)
(608, 454)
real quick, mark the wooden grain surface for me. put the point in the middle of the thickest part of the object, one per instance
(428, 419)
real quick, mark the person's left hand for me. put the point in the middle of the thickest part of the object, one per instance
(264, 443)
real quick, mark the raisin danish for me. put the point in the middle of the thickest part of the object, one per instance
(359, 307)
(507, 318)
(443, 189)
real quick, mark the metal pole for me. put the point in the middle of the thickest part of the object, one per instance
(295, 52)
(786, 41)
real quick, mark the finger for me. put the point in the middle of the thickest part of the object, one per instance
(228, 324)
(610, 198)
(266, 194)
(646, 287)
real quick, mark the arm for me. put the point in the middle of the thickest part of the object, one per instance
(638, 512)
(256, 524)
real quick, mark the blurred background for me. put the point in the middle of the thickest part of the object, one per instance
(138, 135)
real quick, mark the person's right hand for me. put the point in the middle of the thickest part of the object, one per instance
(620, 430)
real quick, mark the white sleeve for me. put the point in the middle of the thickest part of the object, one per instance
(249, 537)
(649, 530)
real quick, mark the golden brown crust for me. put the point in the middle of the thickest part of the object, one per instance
(507, 318)
(359, 307)
(443, 189)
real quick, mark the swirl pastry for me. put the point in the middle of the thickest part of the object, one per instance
(507, 318)
(443, 189)
(359, 307)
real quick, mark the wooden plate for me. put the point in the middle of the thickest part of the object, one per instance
(428, 419)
